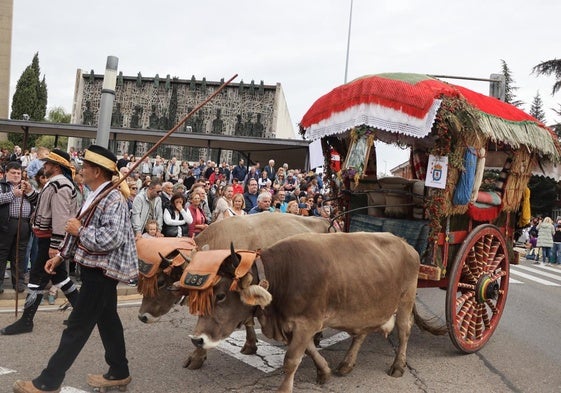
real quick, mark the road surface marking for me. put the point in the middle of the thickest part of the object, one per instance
(532, 278)
(65, 389)
(4, 371)
(542, 271)
(514, 281)
(269, 357)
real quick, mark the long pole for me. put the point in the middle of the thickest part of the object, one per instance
(156, 145)
(348, 42)
(18, 256)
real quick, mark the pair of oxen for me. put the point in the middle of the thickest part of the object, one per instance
(301, 280)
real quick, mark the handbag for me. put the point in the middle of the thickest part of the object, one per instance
(532, 255)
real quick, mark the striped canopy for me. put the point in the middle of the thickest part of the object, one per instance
(408, 104)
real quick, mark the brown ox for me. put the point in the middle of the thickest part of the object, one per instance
(354, 282)
(250, 232)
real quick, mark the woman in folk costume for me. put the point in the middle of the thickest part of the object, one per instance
(102, 242)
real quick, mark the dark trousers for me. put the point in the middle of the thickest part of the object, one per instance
(8, 246)
(38, 275)
(97, 305)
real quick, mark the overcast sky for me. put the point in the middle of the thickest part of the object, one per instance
(298, 43)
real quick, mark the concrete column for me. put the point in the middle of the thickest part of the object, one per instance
(106, 104)
(6, 16)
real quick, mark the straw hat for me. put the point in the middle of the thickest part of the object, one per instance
(101, 157)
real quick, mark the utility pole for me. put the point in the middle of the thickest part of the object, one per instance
(348, 42)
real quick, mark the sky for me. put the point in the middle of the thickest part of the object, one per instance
(301, 44)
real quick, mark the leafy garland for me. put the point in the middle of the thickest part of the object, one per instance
(347, 175)
(453, 118)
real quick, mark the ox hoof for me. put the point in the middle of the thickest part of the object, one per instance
(323, 377)
(344, 369)
(249, 349)
(395, 371)
(317, 339)
(195, 360)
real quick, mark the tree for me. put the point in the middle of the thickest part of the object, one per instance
(550, 67)
(557, 126)
(510, 96)
(48, 141)
(30, 99)
(56, 115)
(537, 108)
(30, 96)
(543, 193)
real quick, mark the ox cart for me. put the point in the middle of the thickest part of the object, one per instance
(459, 199)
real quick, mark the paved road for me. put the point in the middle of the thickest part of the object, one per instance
(524, 355)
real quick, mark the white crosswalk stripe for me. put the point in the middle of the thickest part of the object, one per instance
(271, 357)
(4, 370)
(68, 389)
(65, 389)
(536, 272)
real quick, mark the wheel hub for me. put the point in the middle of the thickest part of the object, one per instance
(486, 289)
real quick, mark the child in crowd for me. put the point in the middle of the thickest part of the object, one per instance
(150, 229)
(533, 252)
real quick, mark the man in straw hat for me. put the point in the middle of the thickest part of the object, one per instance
(107, 255)
(57, 202)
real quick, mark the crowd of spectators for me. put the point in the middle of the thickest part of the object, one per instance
(169, 197)
(542, 240)
(208, 191)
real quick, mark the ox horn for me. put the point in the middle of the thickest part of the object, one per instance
(165, 261)
(234, 255)
(185, 257)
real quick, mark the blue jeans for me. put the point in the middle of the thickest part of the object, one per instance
(546, 252)
(557, 252)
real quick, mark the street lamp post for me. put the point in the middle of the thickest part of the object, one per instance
(107, 99)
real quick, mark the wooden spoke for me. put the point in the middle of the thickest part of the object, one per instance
(477, 289)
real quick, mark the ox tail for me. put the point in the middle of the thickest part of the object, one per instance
(427, 325)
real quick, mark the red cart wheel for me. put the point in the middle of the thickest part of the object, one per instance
(477, 289)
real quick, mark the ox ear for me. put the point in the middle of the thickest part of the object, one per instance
(256, 295)
(246, 281)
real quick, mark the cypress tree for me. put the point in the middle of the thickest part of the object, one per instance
(30, 98)
(537, 108)
(510, 96)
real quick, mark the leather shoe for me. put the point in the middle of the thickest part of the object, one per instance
(28, 387)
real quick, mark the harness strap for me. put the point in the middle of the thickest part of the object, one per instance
(261, 272)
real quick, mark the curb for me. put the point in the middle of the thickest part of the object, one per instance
(125, 295)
